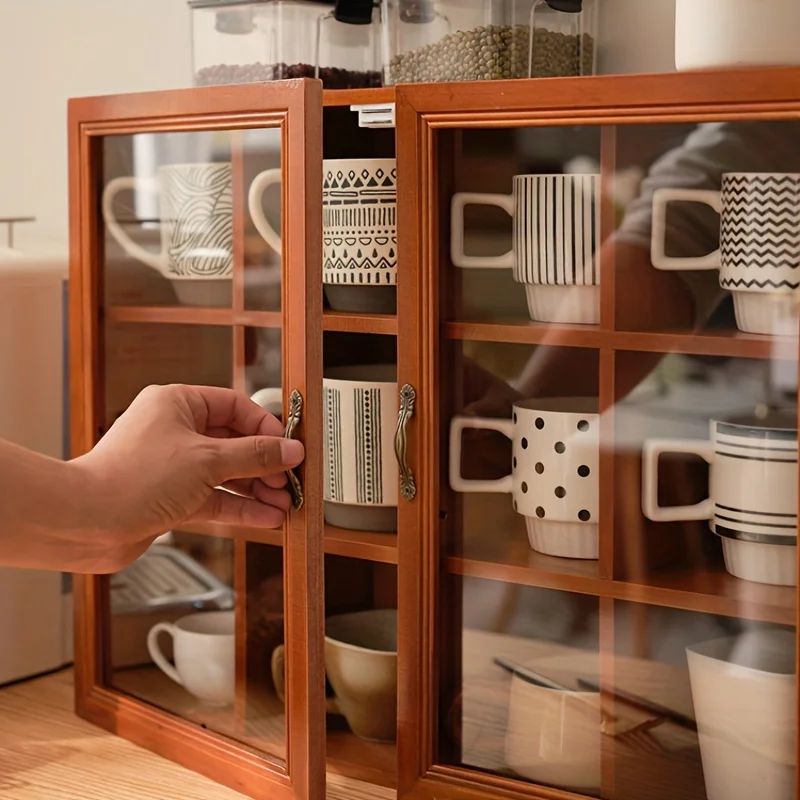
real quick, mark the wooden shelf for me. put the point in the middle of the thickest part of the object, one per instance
(733, 344)
(701, 591)
(365, 545)
(359, 323)
(524, 332)
(357, 97)
(191, 315)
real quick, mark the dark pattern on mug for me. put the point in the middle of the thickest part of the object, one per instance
(556, 229)
(369, 486)
(202, 230)
(334, 487)
(760, 233)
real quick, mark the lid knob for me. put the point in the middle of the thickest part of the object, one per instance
(354, 12)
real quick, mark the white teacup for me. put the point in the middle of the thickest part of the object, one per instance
(196, 213)
(554, 471)
(204, 652)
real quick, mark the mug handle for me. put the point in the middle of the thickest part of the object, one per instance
(155, 651)
(260, 185)
(658, 230)
(271, 400)
(650, 454)
(278, 669)
(457, 483)
(113, 188)
(458, 204)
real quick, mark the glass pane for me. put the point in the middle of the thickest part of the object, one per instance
(361, 667)
(265, 714)
(187, 214)
(632, 473)
(173, 630)
(506, 267)
(511, 703)
(140, 354)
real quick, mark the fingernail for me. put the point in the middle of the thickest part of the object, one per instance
(292, 451)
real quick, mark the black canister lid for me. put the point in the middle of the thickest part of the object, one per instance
(567, 6)
(354, 12)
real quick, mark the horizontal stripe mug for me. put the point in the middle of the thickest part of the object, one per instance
(752, 503)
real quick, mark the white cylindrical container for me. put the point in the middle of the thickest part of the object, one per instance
(729, 33)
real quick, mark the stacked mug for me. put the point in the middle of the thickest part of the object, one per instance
(556, 234)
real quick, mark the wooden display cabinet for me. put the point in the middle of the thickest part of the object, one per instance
(468, 586)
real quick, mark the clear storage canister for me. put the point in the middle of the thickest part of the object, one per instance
(268, 40)
(468, 40)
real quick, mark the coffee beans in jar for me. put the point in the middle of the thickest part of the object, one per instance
(331, 77)
(495, 52)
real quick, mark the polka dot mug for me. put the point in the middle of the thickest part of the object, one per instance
(554, 471)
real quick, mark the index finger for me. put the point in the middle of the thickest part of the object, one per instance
(215, 407)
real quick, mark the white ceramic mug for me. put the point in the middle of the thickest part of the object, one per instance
(259, 185)
(729, 33)
(752, 504)
(759, 254)
(361, 665)
(360, 407)
(270, 399)
(359, 221)
(744, 691)
(554, 471)
(196, 213)
(204, 653)
(556, 235)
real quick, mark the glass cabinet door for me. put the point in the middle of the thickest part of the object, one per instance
(601, 560)
(202, 266)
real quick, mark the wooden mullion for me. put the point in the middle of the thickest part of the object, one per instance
(239, 191)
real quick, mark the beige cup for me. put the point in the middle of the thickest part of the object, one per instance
(361, 665)
(204, 650)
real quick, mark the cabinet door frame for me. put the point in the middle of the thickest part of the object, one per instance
(296, 108)
(422, 112)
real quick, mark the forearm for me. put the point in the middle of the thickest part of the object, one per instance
(47, 509)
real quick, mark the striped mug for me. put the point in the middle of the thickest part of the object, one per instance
(556, 231)
(752, 503)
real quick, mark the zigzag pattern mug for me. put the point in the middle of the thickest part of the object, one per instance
(759, 253)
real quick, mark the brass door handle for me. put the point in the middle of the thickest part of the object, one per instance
(408, 486)
(295, 412)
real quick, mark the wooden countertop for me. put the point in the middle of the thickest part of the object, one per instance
(47, 753)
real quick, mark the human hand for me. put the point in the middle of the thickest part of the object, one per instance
(162, 463)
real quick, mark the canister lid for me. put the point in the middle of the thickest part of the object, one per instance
(567, 6)
(354, 12)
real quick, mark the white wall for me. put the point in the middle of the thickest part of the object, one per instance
(51, 50)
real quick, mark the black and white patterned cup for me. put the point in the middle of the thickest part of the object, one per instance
(752, 503)
(759, 254)
(196, 214)
(360, 406)
(554, 471)
(359, 233)
(556, 233)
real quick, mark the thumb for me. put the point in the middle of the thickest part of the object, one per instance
(255, 457)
